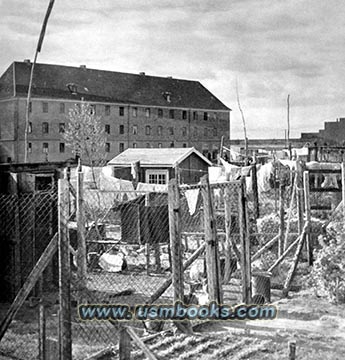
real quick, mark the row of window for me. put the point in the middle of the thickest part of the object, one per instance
(148, 130)
(45, 146)
(172, 113)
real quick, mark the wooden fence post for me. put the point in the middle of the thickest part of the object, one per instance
(42, 332)
(307, 213)
(124, 345)
(147, 237)
(211, 241)
(228, 252)
(343, 187)
(299, 188)
(65, 336)
(81, 255)
(17, 252)
(282, 218)
(245, 245)
(175, 239)
(255, 192)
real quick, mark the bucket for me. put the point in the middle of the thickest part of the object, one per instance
(261, 285)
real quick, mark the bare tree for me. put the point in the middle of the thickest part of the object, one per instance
(243, 122)
(85, 135)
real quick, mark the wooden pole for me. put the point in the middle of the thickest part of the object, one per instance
(292, 270)
(65, 346)
(211, 240)
(299, 188)
(228, 252)
(140, 344)
(308, 215)
(343, 187)
(147, 237)
(245, 245)
(17, 252)
(81, 256)
(42, 332)
(124, 345)
(286, 238)
(282, 219)
(175, 239)
(255, 192)
(269, 244)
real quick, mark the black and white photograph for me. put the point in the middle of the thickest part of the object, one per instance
(172, 180)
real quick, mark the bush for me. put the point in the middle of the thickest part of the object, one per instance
(328, 273)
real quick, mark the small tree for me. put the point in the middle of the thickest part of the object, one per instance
(85, 135)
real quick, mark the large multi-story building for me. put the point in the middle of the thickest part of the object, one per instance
(137, 110)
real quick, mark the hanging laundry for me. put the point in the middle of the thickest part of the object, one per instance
(152, 187)
(192, 196)
(330, 182)
(263, 177)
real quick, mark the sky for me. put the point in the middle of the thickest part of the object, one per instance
(267, 49)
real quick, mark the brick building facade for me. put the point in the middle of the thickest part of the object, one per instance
(137, 110)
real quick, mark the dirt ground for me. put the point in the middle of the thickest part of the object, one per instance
(317, 327)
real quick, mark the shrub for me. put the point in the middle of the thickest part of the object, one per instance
(328, 273)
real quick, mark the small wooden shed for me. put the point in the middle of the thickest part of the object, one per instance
(159, 165)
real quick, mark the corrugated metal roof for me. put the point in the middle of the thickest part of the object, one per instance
(109, 86)
(168, 157)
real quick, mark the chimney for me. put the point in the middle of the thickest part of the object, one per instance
(142, 73)
(82, 66)
(169, 77)
(27, 61)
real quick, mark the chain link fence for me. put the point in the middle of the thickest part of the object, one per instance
(29, 222)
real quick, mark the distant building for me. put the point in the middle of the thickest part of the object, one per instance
(138, 111)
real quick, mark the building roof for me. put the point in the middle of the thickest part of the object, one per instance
(162, 157)
(107, 86)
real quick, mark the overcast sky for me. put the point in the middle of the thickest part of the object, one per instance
(271, 48)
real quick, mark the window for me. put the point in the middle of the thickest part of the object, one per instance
(107, 110)
(184, 145)
(121, 129)
(45, 107)
(157, 176)
(171, 114)
(160, 113)
(205, 115)
(135, 129)
(121, 111)
(195, 132)
(159, 130)
(135, 112)
(29, 147)
(107, 128)
(205, 131)
(214, 131)
(195, 115)
(148, 145)
(45, 128)
(184, 114)
(62, 108)
(172, 144)
(184, 131)
(159, 145)
(147, 112)
(107, 147)
(62, 147)
(121, 147)
(171, 130)
(45, 147)
(30, 127)
(30, 106)
(134, 145)
(147, 130)
(61, 128)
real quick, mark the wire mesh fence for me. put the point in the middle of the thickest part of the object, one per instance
(29, 222)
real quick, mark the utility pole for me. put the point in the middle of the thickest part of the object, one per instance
(288, 124)
(38, 49)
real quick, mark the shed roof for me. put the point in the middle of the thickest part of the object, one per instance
(162, 157)
(107, 86)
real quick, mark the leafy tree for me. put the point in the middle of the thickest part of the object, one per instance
(86, 137)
